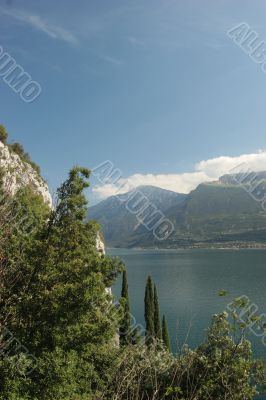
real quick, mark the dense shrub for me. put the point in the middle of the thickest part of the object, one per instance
(221, 368)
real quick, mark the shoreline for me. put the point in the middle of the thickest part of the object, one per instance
(260, 246)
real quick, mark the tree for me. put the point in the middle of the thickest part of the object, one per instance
(157, 318)
(3, 134)
(21, 216)
(149, 310)
(165, 334)
(64, 317)
(124, 331)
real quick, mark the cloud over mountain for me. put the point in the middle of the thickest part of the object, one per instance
(204, 171)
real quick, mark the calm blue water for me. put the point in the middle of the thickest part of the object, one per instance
(188, 282)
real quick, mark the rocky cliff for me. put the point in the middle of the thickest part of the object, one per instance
(18, 173)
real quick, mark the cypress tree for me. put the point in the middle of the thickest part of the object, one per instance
(165, 334)
(149, 310)
(124, 331)
(124, 292)
(157, 319)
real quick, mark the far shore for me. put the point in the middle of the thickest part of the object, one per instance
(217, 246)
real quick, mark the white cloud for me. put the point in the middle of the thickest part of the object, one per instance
(216, 167)
(41, 25)
(109, 59)
(204, 171)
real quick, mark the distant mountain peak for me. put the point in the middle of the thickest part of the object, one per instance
(119, 224)
(151, 188)
(243, 177)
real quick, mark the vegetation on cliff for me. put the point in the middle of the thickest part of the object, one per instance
(18, 149)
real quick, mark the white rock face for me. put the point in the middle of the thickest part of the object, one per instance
(18, 173)
(100, 244)
(108, 290)
(101, 249)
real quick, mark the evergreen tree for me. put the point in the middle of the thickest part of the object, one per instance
(157, 318)
(124, 332)
(165, 334)
(149, 310)
(21, 216)
(63, 315)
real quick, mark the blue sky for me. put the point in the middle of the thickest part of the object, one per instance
(154, 86)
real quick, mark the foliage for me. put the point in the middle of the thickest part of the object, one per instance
(61, 326)
(165, 334)
(155, 333)
(149, 310)
(19, 150)
(157, 318)
(125, 324)
(3, 134)
(61, 311)
(21, 216)
(221, 368)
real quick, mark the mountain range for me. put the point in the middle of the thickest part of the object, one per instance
(121, 227)
(228, 212)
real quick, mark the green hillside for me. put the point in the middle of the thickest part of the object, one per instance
(121, 227)
(223, 212)
(220, 212)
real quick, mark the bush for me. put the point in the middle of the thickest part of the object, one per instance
(221, 368)
(3, 134)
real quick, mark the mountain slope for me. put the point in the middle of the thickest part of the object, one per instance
(223, 211)
(121, 227)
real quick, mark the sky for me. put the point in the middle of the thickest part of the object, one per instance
(158, 88)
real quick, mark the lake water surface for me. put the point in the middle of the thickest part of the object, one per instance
(188, 282)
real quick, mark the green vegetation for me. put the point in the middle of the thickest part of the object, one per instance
(18, 149)
(165, 334)
(57, 304)
(3, 134)
(221, 368)
(59, 327)
(149, 311)
(157, 318)
(125, 325)
(119, 225)
(156, 333)
(221, 213)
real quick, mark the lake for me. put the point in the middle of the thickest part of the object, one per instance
(188, 282)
